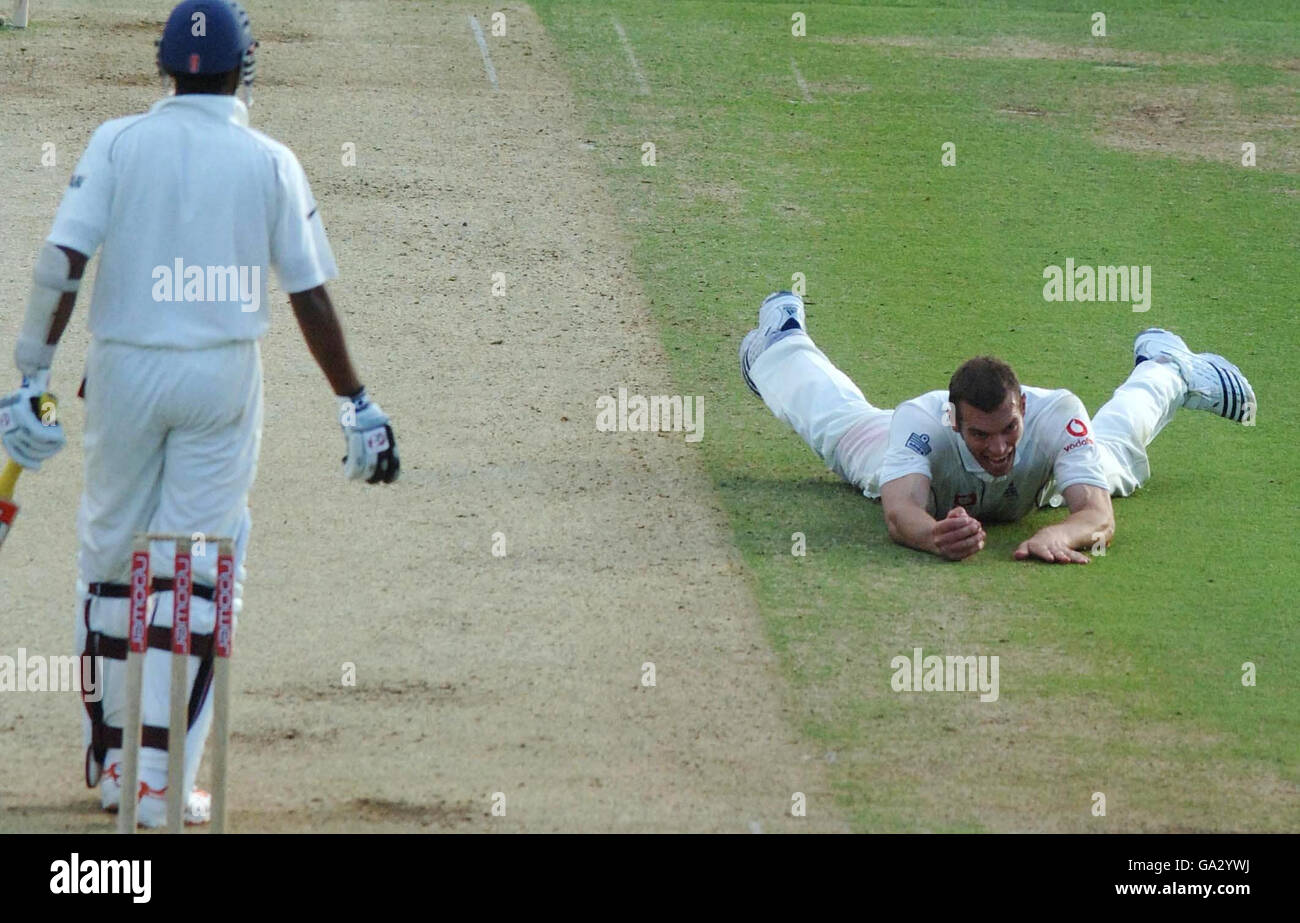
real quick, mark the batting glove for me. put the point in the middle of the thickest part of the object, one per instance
(29, 428)
(372, 448)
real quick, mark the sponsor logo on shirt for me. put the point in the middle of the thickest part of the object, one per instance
(964, 499)
(919, 443)
(1076, 427)
(1011, 491)
(1077, 444)
(76, 181)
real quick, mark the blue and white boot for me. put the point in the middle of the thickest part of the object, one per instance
(1213, 383)
(780, 316)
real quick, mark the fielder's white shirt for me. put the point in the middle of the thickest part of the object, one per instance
(192, 206)
(1055, 452)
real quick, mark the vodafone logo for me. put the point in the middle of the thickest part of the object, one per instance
(1076, 427)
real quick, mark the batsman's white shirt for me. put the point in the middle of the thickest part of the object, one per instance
(187, 185)
(1056, 451)
(152, 188)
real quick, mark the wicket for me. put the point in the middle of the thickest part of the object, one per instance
(222, 643)
(19, 18)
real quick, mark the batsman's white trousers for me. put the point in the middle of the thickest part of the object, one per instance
(171, 445)
(829, 412)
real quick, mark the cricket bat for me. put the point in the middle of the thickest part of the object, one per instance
(8, 509)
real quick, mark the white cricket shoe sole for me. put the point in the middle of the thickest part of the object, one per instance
(780, 315)
(1213, 383)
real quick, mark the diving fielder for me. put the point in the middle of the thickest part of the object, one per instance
(988, 449)
(191, 207)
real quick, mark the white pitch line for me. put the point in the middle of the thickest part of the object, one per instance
(482, 46)
(636, 68)
(803, 86)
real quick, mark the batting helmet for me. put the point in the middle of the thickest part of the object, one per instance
(208, 37)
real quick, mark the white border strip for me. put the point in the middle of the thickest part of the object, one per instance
(482, 46)
(803, 86)
(636, 68)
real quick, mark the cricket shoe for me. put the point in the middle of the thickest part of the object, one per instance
(1213, 383)
(780, 315)
(152, 810)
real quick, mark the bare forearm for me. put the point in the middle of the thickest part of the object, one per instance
(76, 269)
(1085, 528)
(62, 315)
(914, 528)
(324, 335)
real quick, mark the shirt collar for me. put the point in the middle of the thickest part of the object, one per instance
(227, 108)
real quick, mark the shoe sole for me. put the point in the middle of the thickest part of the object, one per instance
(744, 359)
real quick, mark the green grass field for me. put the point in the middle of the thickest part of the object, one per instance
(1123, 677)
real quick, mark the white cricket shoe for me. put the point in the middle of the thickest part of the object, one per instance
(152, 810)
(780, 315)
(1213, 383)
(153, 807)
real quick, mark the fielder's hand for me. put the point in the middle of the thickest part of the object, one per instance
(1049, 545)
(372, 448)
(958, 535)
(29, 426)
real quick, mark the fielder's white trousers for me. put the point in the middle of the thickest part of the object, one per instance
(829, 412)
(171, 445)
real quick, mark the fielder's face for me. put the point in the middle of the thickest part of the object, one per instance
(991, 436)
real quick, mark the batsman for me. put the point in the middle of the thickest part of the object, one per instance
(192, 208)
